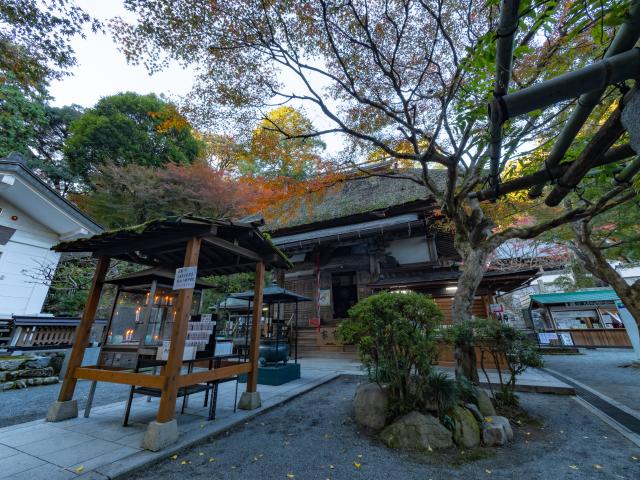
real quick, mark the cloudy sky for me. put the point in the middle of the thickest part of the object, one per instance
(102, 70)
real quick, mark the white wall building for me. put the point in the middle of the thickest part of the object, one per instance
(33, 218)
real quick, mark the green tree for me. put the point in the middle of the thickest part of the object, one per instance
(34, 39)
(129, 128)
(22, 114)
(48, 150)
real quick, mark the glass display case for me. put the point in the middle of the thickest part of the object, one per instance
(142, 316)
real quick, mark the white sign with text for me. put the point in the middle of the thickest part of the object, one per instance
(185, 278)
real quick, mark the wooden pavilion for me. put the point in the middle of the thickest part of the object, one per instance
(214, 247)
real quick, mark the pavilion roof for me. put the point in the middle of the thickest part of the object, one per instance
(273, 294)
(227, 246)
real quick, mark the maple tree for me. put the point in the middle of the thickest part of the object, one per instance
(392, 74)
(133, 194)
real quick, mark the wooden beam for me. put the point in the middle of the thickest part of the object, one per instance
(172, 369)
(143, 244)
(83, 330)
(232, 248)
(254, 348)
(216, 374)
(114, 376)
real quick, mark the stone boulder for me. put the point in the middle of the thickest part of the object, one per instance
(415, 431)
(371, 406)
(484, 404)
(11, 364)
(496, 431)
(38, 363)
(466, 433)
(473, 408)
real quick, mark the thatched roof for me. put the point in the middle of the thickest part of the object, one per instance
(349, 198)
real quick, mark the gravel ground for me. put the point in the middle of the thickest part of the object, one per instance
(19, 406)
(603, 371)
(313, 437)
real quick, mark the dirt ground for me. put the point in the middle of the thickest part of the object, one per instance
(314, 437)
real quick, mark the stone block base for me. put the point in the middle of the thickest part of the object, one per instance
(160, 435)
(250, 401)
(59, 411)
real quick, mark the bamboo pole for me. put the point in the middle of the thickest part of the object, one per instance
(83, 330)
(167, 407)
(507, 27)
(625, 39)
(594, 77)
(614, 154)
(254, 352)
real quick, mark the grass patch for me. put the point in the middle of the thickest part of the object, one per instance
(519, 416)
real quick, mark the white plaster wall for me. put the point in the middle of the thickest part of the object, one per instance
(410, 250)
(20, 259)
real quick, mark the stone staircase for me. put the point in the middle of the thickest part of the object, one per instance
(308, 347)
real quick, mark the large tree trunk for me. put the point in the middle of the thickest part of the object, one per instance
(472, 270)
(595, 261)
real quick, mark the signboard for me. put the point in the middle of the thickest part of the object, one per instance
(324, 297)
(565, 339)
(185, 278)
(496, 308)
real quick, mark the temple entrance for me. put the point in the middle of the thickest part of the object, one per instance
(345, 293)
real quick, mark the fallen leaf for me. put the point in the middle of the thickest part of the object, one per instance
(429, 448)
(211, 460)
(561, 431)
(184, 462)
(79, 469)
(201, 454)
(173, 457)
(356, 464)
(202, 425)
(331, 467)
(290, 475)
(359, 456)
(597, 466)
(633, 457)
(488, 419)
(573, 467)
(488, 471)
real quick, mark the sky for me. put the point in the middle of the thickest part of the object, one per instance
(102, 70)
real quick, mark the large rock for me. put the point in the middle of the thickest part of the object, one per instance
(484, 404)
(11, 364)
(38, 362)
(371, 405)
(415, 431)
(496, 431)
(29, 373)
(473, 408)
(466, 433)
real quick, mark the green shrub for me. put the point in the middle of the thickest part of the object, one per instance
(498, 342)
(396, 338)
(441, 392)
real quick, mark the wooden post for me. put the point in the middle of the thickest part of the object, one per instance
(254, 352)
(83, 330)
(172, 369)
